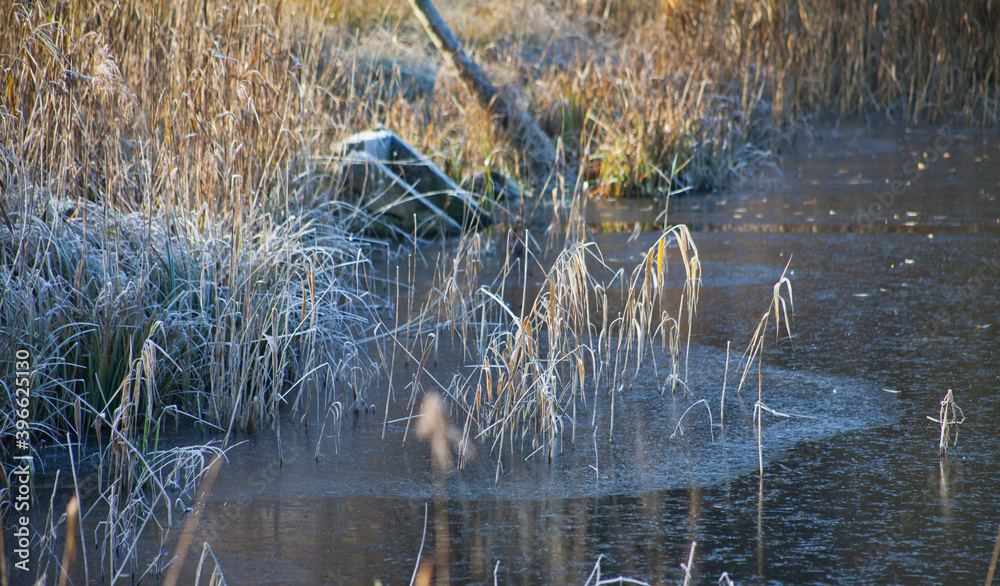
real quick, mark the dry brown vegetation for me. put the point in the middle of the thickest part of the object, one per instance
(176, 241)
(167, 180)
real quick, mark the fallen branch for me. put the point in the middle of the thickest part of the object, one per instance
(507, 115)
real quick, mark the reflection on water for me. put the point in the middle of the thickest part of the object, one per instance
(934, 180)
(894, 305)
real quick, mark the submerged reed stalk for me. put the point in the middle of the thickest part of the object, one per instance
(69, 549)
(690, 563)
(191, 523)
(950, 416)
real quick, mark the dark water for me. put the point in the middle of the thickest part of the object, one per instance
(902, 296)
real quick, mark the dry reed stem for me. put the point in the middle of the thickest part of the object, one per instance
(778, 308)
(191, 523)
(950, 416)
(993, 561)
(69, 549)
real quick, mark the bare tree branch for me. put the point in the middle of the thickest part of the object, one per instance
(512, 120)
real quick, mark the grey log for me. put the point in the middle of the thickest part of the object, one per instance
(514, 122)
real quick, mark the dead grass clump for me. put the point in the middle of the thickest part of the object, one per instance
(103, 297)
(530, 369)
(950, 417)
(166, 248)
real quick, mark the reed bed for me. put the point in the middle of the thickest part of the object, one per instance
(929, 61)
(532, 370)
(171, 253)
(178, 243)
